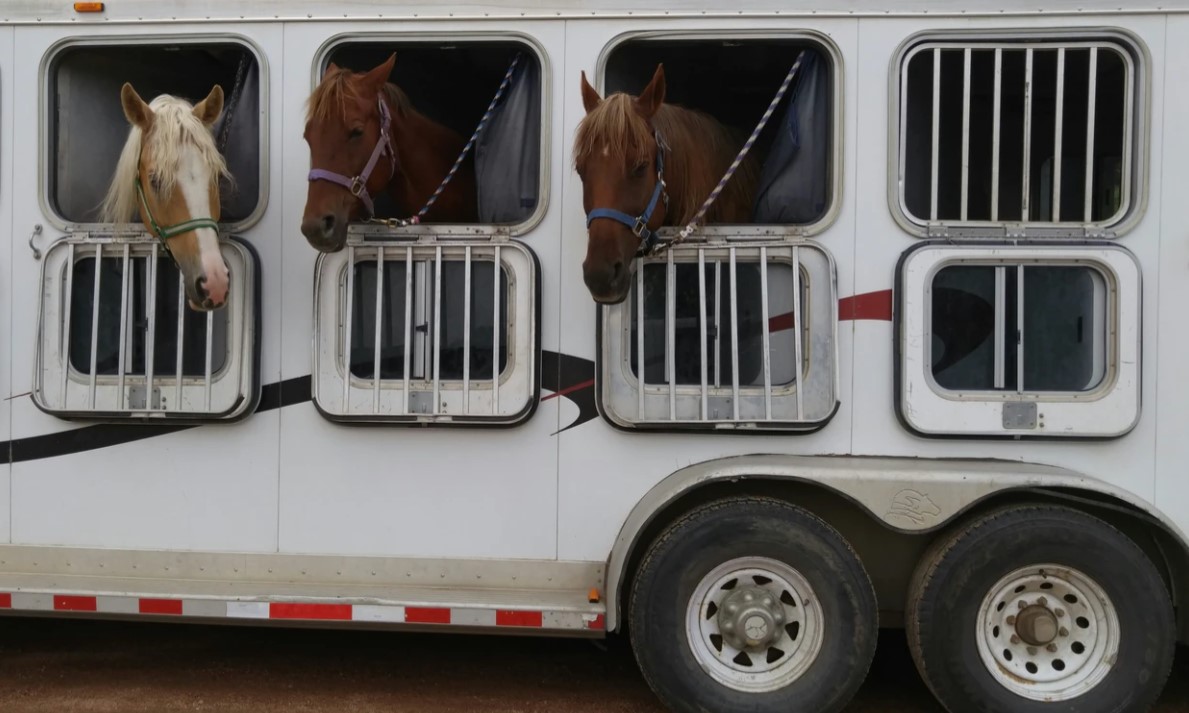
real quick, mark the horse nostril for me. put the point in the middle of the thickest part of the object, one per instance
(328, 224)
(616, 270)
(200, 287)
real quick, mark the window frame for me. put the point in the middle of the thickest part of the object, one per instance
(45, 86)
(522, 371)
(1110, 410)
(616, 385)
(466, 230)
(829, 49)
(1136, 57)
(242, 364)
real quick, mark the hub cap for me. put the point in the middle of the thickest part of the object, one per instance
(754, 624)
(1047, 632)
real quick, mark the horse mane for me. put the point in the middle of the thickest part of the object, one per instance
(174, 126)
(700, 151)
(337, 91)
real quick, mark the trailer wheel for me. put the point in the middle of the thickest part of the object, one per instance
(1039, 609)
(752, 603)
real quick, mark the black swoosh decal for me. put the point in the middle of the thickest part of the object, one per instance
(564, 375)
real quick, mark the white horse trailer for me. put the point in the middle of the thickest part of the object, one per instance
(936, 383)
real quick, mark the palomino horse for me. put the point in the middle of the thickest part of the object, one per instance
(169, 172)
(366, 138)
(636, 184)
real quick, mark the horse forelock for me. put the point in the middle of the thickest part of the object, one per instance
(615, 129)
(175, 127)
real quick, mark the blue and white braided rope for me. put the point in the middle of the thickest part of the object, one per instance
(465, 149)
(788, 80)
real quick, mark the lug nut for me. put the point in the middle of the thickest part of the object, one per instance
(1064, 631)
(1015, 639)
(1060, 613)
(1051, 648)
(1011, 620)
(1031, 650)
(1042, 601)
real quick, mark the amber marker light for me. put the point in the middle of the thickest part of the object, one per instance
(88, 7)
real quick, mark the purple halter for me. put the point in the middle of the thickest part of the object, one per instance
(358, 185)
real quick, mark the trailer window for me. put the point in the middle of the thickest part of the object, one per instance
(453, 81)
(435, 335)
(1019, 342)
(121, 342)
(733, 79)
(87, 125)
(732, 337)
(1023, 133)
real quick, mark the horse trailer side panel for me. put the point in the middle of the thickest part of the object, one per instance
(16, 246)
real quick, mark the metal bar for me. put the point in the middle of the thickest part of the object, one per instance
(466, 333)
(150, 346)
(376, 330)
(95, 319)
(437, 329)
(1020, 329)
(734, 336)
(1000, 324)
(766, 333)
(210, 345)
(1027, 134)
(702, 327)
(797, 331)
(408, 323)
(640, 339)
(125, 280)
(995, 119)
(495, 332)
(671, 333)
(936, 132)
(717, 323)
(66, 324)
(965, 131)
(1057, 143)
(181, 340)
(1091, 101)
(349, 322)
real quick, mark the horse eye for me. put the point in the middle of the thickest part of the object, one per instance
(155, 182)
(355, 133)
(640, 168)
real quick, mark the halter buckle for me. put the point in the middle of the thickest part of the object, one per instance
(640, 226)
(357, 186)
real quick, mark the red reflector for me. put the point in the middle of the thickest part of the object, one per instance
(599, 623)
(282, 610)
(508, 617)
(70, 603)
(161, 606)
(5, 601)
(426, 615)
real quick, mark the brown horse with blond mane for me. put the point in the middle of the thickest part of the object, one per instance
(366, 138)
(632, 184)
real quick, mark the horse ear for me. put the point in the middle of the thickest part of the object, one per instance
(590, 98)
(330, 67)
(653, 96)
(209, 109)
(378, 76)
(135, 110)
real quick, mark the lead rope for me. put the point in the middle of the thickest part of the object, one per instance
(415, 220)
(693, 224)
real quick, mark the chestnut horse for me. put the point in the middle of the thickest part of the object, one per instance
(632, 184)
(168, 173)
(366, 138)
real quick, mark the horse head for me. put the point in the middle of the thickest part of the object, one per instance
(619, 157)
(168, 173)
(348, 130)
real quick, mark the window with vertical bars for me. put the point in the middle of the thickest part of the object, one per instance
(427, 333)
(118, 340)
(726, 337)
(1037, 133)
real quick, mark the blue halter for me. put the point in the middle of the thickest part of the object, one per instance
(639, 224)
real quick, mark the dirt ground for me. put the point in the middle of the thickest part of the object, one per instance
(115, 667)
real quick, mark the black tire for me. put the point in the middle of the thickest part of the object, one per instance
(960, 569)
(716, 533)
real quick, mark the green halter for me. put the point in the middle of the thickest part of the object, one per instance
(168, 231)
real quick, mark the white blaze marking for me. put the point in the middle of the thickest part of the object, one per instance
(194, 179)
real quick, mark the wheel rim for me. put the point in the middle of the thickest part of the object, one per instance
(1048, 632)
(754, 624)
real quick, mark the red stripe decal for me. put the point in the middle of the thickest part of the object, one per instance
(5, 601)
(426, 615)
(337, 612)
(68, 603)
(599, 623)
(510, 617)
(161, 606)
(869, 305)
(780, 322)
(569, 389)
